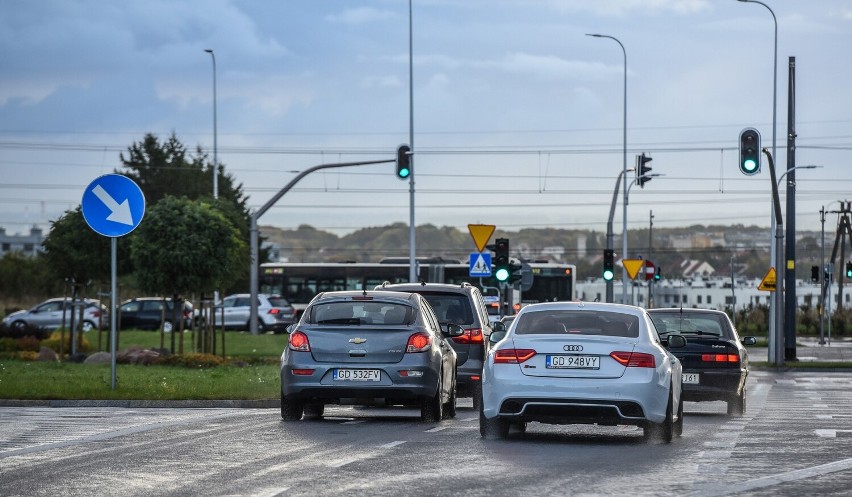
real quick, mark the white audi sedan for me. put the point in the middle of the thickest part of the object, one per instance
(582, 363)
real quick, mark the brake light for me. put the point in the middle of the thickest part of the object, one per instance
(635, 359)
(302, 372)
(299, 342)
(419, 342)
(473, 335)
(274, 311)
(513, 356)
(720, 357)
(96, 314)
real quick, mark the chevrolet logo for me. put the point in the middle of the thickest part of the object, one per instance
(357, 341)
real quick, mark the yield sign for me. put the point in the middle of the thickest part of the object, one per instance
(632, 266)
(768, 282)
(481, 233)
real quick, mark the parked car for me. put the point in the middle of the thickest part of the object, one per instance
(463, 305)
(365, 347)
(582, 363)
(274, 313)
(146, 313)
(715, 362)
(49, 315)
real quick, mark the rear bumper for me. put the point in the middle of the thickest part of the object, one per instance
(715, 385)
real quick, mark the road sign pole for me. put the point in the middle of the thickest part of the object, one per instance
(113, 299)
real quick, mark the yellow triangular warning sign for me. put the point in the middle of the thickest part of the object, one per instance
(768, 282)
(481, 233)
(632, 266)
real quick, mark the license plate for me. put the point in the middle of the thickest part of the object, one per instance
(573, 362)
(357, 375)
(690, 378)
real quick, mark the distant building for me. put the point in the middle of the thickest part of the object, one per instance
(29, 245)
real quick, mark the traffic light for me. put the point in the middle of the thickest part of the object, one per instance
(502, 271)
(403, 162)
(642, 170)
(749, 151)
(848, 269)
(658, 275)
(608, 265)
(815, 274)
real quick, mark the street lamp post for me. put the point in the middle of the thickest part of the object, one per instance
(215, 145)
(412, 230)
(772, 258)
(623, 169)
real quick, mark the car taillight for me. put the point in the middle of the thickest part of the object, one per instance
(274, 311)
(473, 335)
(303, 372)
(720, 357)
(513, 356)
(96, 314)
(299, 342)
(634, 359)
(419, 342)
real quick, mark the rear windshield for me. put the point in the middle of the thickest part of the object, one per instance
(450, 307)
(578, 323)
(359, 313)
(278, 302)
(691, 323)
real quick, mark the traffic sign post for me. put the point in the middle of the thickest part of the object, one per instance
(113, 205)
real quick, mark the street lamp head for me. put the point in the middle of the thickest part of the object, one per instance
(594, 34)
(208, 50)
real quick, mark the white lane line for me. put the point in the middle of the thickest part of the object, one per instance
(768, 481)
(271, 492)
(436, 429)
(830, 433)
(392, 444)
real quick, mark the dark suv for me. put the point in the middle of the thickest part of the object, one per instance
(463, 305)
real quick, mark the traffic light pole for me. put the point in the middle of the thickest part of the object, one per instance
(255, 266)
(609, 235)
(776, 332)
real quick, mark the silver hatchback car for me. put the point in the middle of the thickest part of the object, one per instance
(582, 363)
(49, 315)
(274, 313)
(369, 348)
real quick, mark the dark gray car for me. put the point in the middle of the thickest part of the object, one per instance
(368, 348)
(462, 305)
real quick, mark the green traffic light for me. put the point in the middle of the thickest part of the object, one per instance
(502, 274)
(608, 275)
(403, 173)
(749, 165)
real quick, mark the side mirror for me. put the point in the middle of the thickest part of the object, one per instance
(498, 326)
(676, 341)
(497, 336)
(749, 340)
(453, 330)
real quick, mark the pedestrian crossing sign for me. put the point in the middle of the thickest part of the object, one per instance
(480, 264)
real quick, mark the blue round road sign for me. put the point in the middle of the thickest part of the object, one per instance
(113, 205)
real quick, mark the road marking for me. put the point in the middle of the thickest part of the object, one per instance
(830, 433)
(392, 444)
(436, 429)
(768, 481)
(357, 422)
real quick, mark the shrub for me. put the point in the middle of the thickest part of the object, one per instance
(193, 360)
(55, 337)
(24, 331)
(29, 343)
(27, 355)
(8, 344)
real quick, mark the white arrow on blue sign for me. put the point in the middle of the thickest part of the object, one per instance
(113, 205)
(480, 264)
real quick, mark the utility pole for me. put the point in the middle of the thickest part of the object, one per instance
(650, 304)
(790, 302)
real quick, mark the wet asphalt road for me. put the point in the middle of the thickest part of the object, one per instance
(796, 439)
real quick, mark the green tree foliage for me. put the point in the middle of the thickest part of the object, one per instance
(185, 246)
(25, 280)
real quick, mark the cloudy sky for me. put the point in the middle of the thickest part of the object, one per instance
(518, 116)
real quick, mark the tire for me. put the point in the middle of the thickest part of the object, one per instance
(87, 326)
(663, 431)
(432, 409)
(450, 406)
(19, 325)
(291, 410)
(737, 405)
(314, 411)
(519, 427)
(494, 428)
(476, 392)
(678, 425)
(261, 328)
(168, 327)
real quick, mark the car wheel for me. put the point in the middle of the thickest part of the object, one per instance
(261, 328)
(432, 409)
(168, 327)
(678, 425)
(291, 409)
(19, 325)
(87, 326)
(519, 427)
(495, 428)
(476, 390)
(737, 405)
(665, 430)
(314, 411)
(450, 406)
